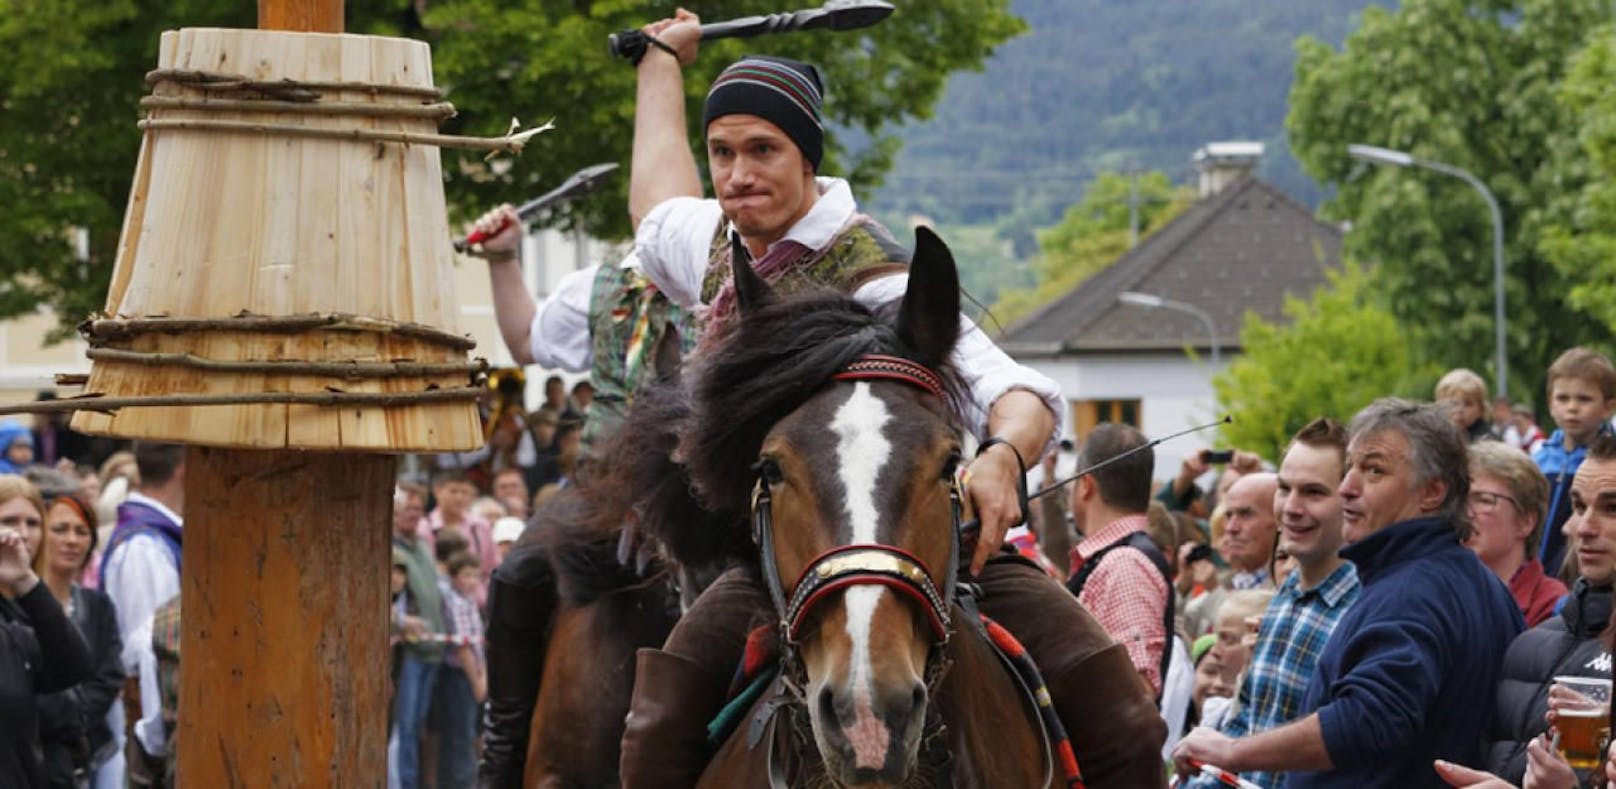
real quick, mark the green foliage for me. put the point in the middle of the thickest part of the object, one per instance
(70, 85)
(1093, 233)
(1582, 243)
(1337, 352)
(1471, 83)
(1103, 85)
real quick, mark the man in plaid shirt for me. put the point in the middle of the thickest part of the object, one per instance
(1303, 614)
(1114, 574)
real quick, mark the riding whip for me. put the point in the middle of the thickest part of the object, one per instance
(1108, 461)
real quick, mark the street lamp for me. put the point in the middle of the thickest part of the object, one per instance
(1387, 156)
(1150, 301)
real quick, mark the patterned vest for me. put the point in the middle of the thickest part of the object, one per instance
(860, 253)
(627, 317)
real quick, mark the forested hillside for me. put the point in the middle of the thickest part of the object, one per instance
(1106, 85)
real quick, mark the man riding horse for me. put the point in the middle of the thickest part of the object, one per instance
(765, 139)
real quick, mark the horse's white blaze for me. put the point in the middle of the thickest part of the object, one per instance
(868, 734)
(862, 451)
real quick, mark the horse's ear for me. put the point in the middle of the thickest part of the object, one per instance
(667, 356)
(928, 321)
(751, 292)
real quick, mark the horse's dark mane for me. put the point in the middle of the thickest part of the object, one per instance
(634, 475)
(681, 462)
(778, 357)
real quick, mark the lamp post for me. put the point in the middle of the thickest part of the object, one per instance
(1387, 156)
(1149, 301)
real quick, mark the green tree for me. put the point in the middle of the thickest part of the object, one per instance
(1093, 233)
(1582, 242)
(1471, 83)
(70, 85)
(1339, 351)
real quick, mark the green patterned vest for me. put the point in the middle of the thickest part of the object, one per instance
(627, 317)
(861, 252)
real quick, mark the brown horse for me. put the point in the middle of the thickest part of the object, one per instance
(834, 421)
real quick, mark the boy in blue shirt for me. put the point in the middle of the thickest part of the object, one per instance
(1582, 391)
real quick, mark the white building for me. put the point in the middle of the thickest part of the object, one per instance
(1243, 246)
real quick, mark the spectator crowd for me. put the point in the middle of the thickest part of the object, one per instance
(1397, 600)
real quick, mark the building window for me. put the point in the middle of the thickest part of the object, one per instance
(1088, 413)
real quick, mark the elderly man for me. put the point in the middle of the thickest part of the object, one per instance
(1408, 676)
(1250, 531)
(1247, 544)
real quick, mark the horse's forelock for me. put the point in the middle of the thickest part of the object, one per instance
(777, 358)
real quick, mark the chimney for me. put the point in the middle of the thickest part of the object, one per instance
(1220, 164)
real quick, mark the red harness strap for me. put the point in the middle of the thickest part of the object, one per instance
(1012, 649)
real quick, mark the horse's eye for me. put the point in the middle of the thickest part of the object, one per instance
(769, 471)
(951, 465)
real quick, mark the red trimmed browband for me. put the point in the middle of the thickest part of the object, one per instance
(874, 366)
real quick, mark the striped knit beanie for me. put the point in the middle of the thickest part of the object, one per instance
(786, 93)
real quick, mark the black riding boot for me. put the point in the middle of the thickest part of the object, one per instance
(521, 603)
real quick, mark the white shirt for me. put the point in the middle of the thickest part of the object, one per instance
(674, 242)
(141, 575)
(149, 729)
(559, 336)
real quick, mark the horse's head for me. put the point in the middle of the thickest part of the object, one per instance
(855, 509)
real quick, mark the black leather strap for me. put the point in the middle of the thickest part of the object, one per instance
(657, 42)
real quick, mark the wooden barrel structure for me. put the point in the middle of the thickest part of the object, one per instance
(281, 244)
(281, 301)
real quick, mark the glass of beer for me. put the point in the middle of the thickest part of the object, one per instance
(1582, 722)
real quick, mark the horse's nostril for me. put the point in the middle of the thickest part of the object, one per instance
(917, 698)
(827, 706)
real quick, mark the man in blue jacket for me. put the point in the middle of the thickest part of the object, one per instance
(1408, 676)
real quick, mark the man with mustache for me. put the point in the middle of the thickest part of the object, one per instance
(1409, 674)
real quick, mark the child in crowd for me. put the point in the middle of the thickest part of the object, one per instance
(1582, 391)
(1464, 395)
(1531, 436)
(463, 682)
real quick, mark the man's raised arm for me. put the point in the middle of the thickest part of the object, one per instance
(663, 165)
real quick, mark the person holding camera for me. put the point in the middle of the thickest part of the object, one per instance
(1183, 495)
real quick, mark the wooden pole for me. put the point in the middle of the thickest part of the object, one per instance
(284, 669)
(308, 16)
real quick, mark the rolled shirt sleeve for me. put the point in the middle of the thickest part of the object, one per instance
(559, 335)
(672, 244)
(986, 370)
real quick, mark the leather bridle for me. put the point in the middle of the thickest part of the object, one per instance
(861, 564)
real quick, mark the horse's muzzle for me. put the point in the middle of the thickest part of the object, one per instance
(870, 740)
